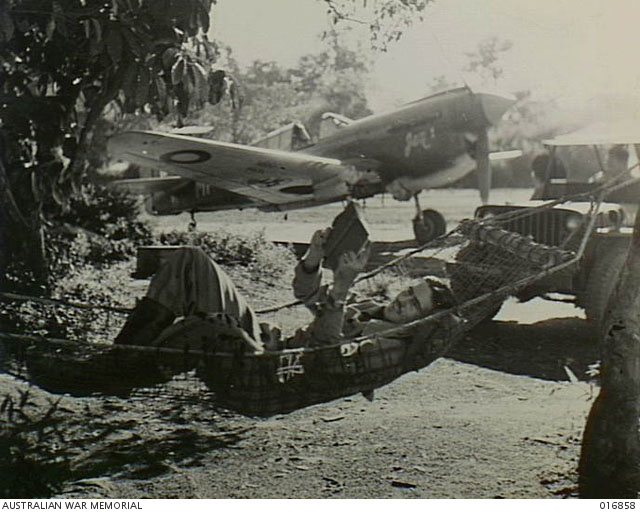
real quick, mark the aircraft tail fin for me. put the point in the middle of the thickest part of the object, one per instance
(290, 137)
(332, 122)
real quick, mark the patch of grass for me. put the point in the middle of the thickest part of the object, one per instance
(33, 462)
(87, 284)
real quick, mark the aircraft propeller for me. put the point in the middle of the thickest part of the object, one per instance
(493, 106)
(483, 158)
(483, 165)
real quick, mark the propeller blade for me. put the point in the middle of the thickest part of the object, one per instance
(505, 155)
(483, 166)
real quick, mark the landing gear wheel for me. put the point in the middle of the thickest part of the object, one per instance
(601, 282)
(430, 226)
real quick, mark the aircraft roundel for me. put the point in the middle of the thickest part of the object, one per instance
(186, 156)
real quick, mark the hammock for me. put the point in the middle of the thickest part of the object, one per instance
(482, 264)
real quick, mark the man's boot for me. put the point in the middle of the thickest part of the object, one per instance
(148, 319)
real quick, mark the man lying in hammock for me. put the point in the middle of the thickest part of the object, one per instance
(190, 283)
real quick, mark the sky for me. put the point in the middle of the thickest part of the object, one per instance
(576, 51)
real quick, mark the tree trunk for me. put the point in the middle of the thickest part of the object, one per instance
(610, 459)
(20, 236)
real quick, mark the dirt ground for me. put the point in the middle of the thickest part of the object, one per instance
(500, 416)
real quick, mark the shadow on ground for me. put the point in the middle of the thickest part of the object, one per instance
(47, 442)
(540, 350)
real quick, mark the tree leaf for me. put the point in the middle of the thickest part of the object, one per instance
(133, 43)
(190, 82)
(178, 71)
(114, 44)
(97, 29)
(142, 87)
(96, 42)
(58, 195)
(76, 183)
(216, 86)
(129, 80)
(161, 89)
(235, 94)
(50, 29)
(203, 16)
(6, 23)
(168, 58)
(58, 15)
(36, 187)
(183, 100)
(199, 83)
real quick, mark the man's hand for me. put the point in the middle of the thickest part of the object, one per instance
(350, 264)
(313, 258)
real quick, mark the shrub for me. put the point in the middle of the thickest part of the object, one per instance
(106, 212)
(101, 227)
(33, 465)
(83, 284)
(261, 257)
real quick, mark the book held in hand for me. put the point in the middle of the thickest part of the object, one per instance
(349, 232)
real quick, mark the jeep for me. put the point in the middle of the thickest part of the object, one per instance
(564, 175)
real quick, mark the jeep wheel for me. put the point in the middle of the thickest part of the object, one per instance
(601, 282)
(431, 225)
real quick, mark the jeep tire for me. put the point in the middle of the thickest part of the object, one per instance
(601, 282)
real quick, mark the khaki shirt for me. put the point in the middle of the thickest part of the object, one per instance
(333, 321)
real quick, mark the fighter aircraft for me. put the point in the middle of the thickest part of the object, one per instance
(429, 143)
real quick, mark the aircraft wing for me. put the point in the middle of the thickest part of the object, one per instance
(150, 185)
(265, 176)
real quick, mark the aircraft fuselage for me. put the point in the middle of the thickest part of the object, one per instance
(424, 144)
(417, 140)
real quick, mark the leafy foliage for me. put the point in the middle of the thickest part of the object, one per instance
(485, 60)
(331, 80)
(83, 279)
(83, 284)
(64, 63)
(262, 258)
(90, 255)
(385, 19)
(101, 227)
(31, 465)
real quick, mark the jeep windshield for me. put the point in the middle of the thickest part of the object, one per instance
(585, 159)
